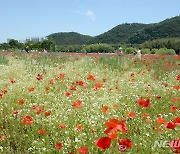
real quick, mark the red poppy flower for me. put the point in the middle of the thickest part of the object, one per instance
(73, 88)
(51, 81)
(144, 103)
(174, 100)
(41, 131)
(112, 123)
(12, 80)
(132, 74)
(98, 85)
(165, 85)
(124, 144)
(83, 150)
(173, 108)
(80, 83)
(47, 89)
(79, 127)
(39, 109)
(170, 125)
(131, 114)
(27, 120)
(62, 126)
(176, 87)
(145, 115)
(161, 120)
(91, 77)
(59, 145)
(15, 112)
(103, 143)
(113, 126)
(115, 106)
(31, 89)
(47, 113)
(178, 77)
(1, 95)
(2, 138)
(4, 92)
(158, 97)
(122, 127)
(177, 120)
(61, 75)
(105, 109)
(68, 94)
(104, 80)
(39, 77)
(96, 61)
(21, 101)
(57, 78)
(77, 104)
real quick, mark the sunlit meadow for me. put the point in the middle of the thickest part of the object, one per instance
(69, 104)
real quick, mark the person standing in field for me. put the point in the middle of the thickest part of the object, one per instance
(44, 51)
(138, 55)
(27, 49)
(120, 51)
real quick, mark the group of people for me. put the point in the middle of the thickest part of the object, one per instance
(27, 50)
(137, 54)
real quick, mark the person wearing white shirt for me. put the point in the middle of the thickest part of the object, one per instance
(138, 55)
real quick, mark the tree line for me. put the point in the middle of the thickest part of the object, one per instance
(34, 46)
(162, 46)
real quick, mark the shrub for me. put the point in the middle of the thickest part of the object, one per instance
(146, 51)
(129, 50)
(99, 48)
(83, 50)
(170, 52)
(165, 51)
(153, 51)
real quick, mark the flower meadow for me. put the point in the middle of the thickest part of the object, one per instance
(74, 104)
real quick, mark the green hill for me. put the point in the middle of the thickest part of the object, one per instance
(70, 38)
(168, 28)
(134, 33)
(120, 33)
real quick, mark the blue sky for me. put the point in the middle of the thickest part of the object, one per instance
(20, 19)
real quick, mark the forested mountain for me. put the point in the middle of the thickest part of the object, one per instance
(134, 33)
(120, 33)
(168, 28)
(70, 38)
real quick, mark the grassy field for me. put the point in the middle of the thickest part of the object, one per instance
(89, 104)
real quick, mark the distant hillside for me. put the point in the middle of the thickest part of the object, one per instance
(70, 38)
(134, 33)
(168, 28)
(120, 33)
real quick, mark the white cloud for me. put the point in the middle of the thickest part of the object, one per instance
(90, 14)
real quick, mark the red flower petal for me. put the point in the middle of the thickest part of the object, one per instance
(83, 150)
(28, 120)
(59, 145)
(161, 120)
(112, 123)
(126, 142)
(103, 143)
(131, 114)
(105, 109)
(177, 120)
(170, 125)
